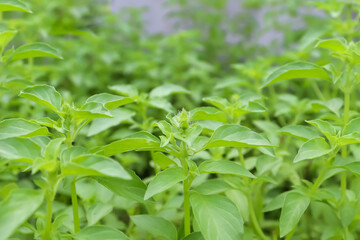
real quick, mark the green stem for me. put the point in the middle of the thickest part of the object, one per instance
(75, 206)
(187, 224)
(48, 218)
(289, 236)
(254, 220)
(241, 157)
(319, 179)
(317, 90)
(344, 153)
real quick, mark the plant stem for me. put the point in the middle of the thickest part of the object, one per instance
(317, 90)
(319, 180)
(241, 157)
(48, 218)
(254, 220)
(187, 224)
(75, 206)
(289, 236)
(343, 182)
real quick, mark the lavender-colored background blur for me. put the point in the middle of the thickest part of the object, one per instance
(156, 20)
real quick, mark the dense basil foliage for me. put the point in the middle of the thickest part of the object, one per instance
(109, 132)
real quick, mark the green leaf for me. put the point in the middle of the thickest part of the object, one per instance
(295, 205)
(296, 70)
(18, 127)
(133, 189)
(335, 45)
(220, 103)
(162, 104)
(302, 132)
(276, 203)
(100, 232)
(97, 211)
(352, 127)
(20, 149)
(49, 161)
(313, 148)
(101, 124)
(212, 186)
(166, 90)
(324, 127)
(125, 90)
(353, 167)
(92, 110)
(162, 160)
(165, 180)
(217, 216)
(194, 236)
(16, 208)
(109, 101)
(6, 37)
(138, 141)
(332, 105)
(34, 50)
(207, 113)
(92, 165)
(224, 167)
(156, 226)
(45, 95)
(236, 136)
(13, 5)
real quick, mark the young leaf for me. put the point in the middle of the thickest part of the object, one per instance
(296, 70)
(165, 180)
(94, 165)
(20, 149)
(13, 5)
(166, 90)
(6, 37)
(45, 95)
(295, 205)
(313, 148)
(217, 216)
(16, 208)
(109, 101)
(133, 189)
(33, 50)
(18, 127)
(302, 132)
(156, 226)
(100, 232)
(335, 45)
(49, 161)
(138, 141)
(236, 136)
(224, 167)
